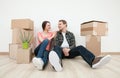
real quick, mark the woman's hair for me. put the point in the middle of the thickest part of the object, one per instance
(63, 21)
(44, 24)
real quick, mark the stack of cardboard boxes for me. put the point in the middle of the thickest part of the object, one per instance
(15, 48)
(93, 30)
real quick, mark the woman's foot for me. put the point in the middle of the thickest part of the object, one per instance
(38, 63)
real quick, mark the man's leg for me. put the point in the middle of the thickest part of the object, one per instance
(83, 52)
(45, 58)
(55, 58)
(89, 57)
(59, 52)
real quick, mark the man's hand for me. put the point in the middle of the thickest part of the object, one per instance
(66, 51)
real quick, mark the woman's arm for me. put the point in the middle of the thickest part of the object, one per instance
(53, 35)
(40, 37)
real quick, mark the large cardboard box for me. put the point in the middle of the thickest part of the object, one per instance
(13, 49)
(16, 35)
(93, 44)
(94, 28)
(24, 56)
(22, 23)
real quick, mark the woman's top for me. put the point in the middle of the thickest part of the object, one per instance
(41, 34)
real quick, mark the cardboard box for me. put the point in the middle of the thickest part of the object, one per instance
(94, 28)
(13, 49)
(93, 44)
(24, 56)
(22, 23)
(16, 35)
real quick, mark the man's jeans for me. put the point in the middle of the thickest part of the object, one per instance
(77, 51)
(41, 52)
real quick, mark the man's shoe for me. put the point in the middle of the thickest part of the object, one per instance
(100, 61)
(38, 62)
(55, 61)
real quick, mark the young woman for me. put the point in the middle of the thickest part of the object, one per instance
(42, 50)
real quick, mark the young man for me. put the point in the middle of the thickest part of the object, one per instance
(65, 47)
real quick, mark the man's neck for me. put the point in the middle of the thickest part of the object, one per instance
(64, 30)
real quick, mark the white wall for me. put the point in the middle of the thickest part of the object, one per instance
(74, 11)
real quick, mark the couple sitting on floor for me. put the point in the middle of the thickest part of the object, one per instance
(54, 46)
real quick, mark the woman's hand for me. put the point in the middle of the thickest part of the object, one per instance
(53, 35)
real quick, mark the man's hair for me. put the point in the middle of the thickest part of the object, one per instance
(44, 24)
(63, 21)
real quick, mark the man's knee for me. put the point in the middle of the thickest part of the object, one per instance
(56, 47)
(81, 46)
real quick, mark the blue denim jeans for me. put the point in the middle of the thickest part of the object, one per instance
(76, 51)
(41, 52)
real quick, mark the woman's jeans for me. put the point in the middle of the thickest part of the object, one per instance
(41, 52)
(76, 51)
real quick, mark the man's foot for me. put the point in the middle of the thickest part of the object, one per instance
(100, 61)
(55, 61)
(38, 62)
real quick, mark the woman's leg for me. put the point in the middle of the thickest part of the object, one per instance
(42, 48)
(45, 58)
(37, 49)
(39, 53)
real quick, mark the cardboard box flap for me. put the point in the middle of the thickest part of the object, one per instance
(93, 21)
(22, 23)
(94, 28)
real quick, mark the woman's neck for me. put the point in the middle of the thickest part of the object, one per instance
(45, 32)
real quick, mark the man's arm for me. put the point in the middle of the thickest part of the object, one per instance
(72, 41)
(72, 44)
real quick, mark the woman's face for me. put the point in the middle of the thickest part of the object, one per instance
(48, 27)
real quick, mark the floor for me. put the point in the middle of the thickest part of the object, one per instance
(73, 68)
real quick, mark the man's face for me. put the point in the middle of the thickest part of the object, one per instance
(61, 26)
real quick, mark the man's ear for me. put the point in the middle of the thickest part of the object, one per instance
(65, 25)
